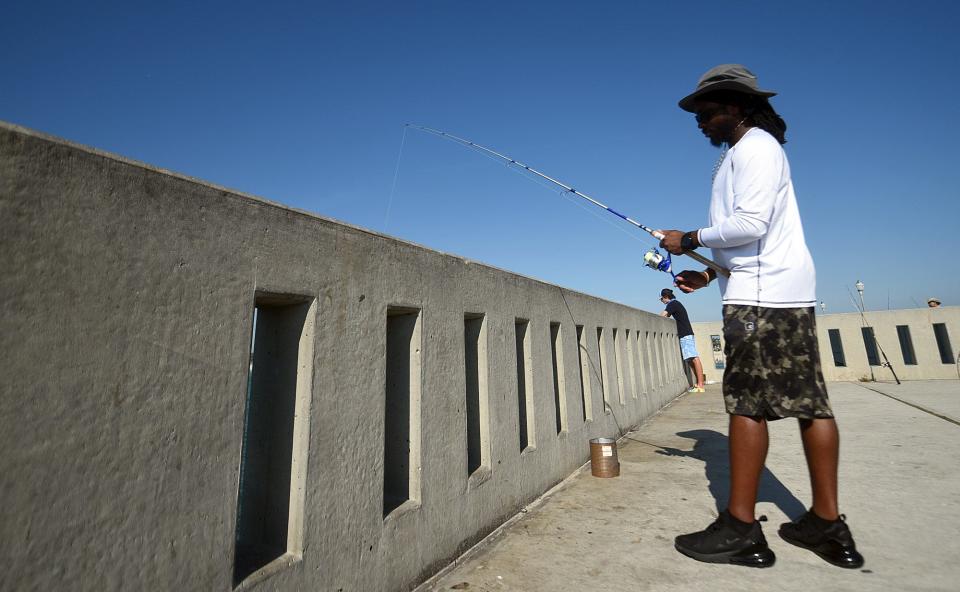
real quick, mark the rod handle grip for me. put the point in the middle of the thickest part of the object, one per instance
(721, 270)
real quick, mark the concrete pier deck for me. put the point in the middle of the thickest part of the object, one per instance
(899, 487)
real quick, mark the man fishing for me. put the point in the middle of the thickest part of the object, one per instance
(688, 345)
(773, 361)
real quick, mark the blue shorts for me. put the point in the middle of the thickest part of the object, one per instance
(688, 347)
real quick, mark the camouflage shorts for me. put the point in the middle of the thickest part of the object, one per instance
(773, 363)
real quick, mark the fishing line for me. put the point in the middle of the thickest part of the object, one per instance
(596, 372)
(863, 318)
(582, 206)
(396, 173)
(652, 259)
(656, 234)
(513, 167)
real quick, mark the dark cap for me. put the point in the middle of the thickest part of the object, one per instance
(733, 77)
(666, 293)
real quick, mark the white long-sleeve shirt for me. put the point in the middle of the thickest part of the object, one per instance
(755, 228)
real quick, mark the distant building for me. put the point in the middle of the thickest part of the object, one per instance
(919, 343)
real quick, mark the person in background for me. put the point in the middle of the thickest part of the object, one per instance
(933, 303)
(688, 347)
(769, 327)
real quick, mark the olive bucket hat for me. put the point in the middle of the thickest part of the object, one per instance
(725, 77)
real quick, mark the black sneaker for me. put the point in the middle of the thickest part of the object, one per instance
(723, 542)
(832, 541)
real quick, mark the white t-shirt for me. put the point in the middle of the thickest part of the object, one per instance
(755, 228)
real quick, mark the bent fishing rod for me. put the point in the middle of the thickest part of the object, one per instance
(657, 264)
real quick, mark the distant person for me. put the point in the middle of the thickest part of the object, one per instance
(933, 303)
(688, 346)
(773, 359)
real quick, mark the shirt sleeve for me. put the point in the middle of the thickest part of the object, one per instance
(670, 308)
(756, 179)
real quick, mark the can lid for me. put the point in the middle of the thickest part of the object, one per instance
(602, 441)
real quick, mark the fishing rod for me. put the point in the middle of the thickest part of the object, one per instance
(652, 259)
(863, 318)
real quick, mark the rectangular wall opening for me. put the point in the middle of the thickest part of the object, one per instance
(652, 359)
(943, 343)
(618, 365)
(664, 352)
(643, 357)
(401, 419)
(672, 353)
(559, 383)
(681, 363)
(525, 384)
(836, 345)
(270, 492)
(631, 364)
(478, 427)
(604, 372)
(678, 363)
(906, 345)
(658, 355)
(870, 343)
(583, 359)
(682, 367)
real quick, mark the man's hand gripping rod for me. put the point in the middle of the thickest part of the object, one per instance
(657, 235)
(721, 270)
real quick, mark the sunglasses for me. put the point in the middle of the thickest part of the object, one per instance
(707, 115)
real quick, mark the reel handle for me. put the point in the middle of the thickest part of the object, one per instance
(721, 270)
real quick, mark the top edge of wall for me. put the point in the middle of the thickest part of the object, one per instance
(18, 129)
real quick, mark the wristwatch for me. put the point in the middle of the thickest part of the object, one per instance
(686, 242)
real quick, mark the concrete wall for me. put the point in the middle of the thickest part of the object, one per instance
(128, 296)
(920, 322)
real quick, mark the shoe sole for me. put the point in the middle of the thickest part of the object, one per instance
(854, 564)
(754, 556)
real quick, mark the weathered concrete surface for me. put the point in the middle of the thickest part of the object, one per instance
(900, 489)
(937, 399)
(126, 311)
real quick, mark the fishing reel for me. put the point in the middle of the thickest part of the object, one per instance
(654, 260)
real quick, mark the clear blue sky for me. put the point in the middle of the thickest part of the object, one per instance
(305, 103)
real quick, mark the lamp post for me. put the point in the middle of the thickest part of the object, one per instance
(859, 285)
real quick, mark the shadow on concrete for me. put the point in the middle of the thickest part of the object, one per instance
(711, 447)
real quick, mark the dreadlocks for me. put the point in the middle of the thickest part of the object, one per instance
(757, 109)
(764, 117)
